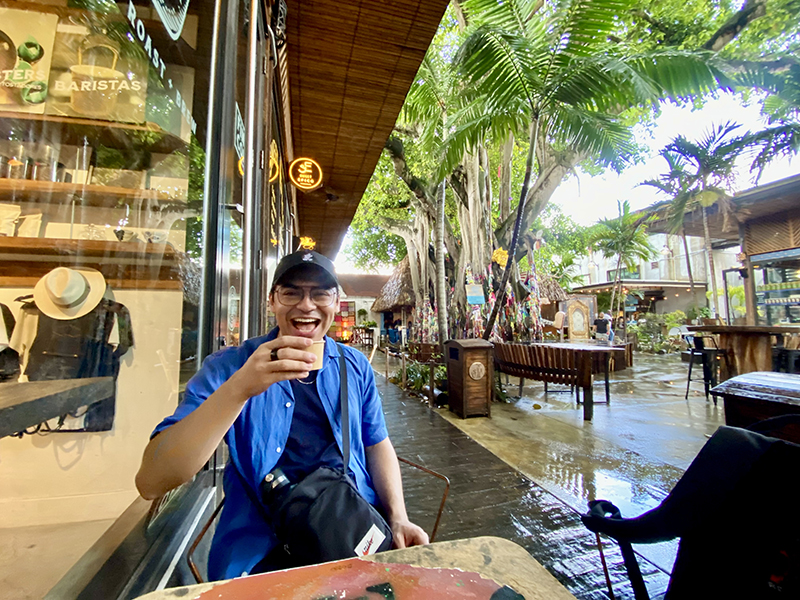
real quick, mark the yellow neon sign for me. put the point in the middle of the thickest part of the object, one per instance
(307, 243)
(274, 162)
(305, 174)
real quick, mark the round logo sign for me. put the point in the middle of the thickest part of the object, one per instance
(305, 174)
(477, 371)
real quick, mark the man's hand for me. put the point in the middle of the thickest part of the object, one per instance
(407, 534)
(284, 358)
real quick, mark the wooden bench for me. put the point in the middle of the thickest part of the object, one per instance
(550, 365)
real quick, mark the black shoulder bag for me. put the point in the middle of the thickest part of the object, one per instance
(323, 517)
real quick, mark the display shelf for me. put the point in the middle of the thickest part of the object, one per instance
(786, 302)
(792, 289)
(50, 192)
(179, 51)
(125, 265)
(72, 130)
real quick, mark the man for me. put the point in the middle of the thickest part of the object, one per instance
(274, 411)
(600, 328)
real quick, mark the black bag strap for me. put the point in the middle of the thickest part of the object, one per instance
(345, 410)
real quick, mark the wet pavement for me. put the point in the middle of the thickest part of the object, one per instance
(527, 473)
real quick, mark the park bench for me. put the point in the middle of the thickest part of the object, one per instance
(550, 365)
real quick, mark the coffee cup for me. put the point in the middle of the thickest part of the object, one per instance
(318, 349)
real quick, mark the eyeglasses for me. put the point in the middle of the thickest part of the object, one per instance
(291, 296)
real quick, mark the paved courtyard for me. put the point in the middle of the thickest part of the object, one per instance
(544, 463)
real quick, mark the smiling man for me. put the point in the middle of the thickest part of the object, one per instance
(277, 415)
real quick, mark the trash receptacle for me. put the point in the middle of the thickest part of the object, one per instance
(470, 377)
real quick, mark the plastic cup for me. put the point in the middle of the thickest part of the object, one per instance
(318, 349)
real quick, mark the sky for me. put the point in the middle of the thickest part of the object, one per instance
(588, 199)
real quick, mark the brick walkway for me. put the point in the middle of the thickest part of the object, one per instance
(487, 497)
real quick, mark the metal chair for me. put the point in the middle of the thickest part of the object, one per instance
(190, 554)
(710, 361)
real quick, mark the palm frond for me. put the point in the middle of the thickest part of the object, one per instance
(772, 143)
(595, 133)
(583, 25)
(499, 64)
(511, 15)
(681, 74)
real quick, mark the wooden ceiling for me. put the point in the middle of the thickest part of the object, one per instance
(350, 66)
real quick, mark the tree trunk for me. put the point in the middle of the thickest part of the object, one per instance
(441, 287)
(689, 266)
(501, 294)
(707, 236)
(505, 178)
(617, 280)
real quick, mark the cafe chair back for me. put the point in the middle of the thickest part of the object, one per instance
(735, 512)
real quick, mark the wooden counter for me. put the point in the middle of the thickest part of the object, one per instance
(24, 405)
(749, 347)
(757, 396)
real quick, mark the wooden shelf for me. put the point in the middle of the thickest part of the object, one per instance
(94, 249)
(72, 130)
(24, 405)
(48, 192)
(178, 51)
(125, 265)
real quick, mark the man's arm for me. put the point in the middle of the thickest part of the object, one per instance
(174, 456)
(384, 469)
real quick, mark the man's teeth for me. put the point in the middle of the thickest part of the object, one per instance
(305, 320)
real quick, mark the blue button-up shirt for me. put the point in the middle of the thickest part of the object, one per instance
(258, 436)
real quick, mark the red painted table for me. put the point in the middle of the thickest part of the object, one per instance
(475, 568)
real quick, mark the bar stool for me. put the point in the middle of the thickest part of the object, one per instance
(709, 359)
(789, 360)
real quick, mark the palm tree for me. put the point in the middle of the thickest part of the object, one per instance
(710, 162)
(675, 183)
(626, 239)
(557, 76)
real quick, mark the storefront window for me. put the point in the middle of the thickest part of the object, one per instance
(103, 116)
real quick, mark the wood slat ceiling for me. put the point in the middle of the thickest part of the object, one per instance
(350, 65)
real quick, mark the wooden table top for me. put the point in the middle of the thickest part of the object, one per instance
(492, 558)
(745, 329)
(762, 385)
(24, 405)
(581, 346)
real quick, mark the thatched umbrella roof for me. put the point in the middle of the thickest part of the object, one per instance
(550, 289)
(398, 291)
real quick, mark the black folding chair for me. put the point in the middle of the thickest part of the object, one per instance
(735, 512)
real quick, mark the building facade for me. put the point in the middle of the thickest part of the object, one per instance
(156, 160)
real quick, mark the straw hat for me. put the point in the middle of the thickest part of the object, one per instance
(66, 294)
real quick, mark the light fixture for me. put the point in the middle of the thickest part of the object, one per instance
(666, 250)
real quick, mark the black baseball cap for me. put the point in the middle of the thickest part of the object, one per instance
(303, 259)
